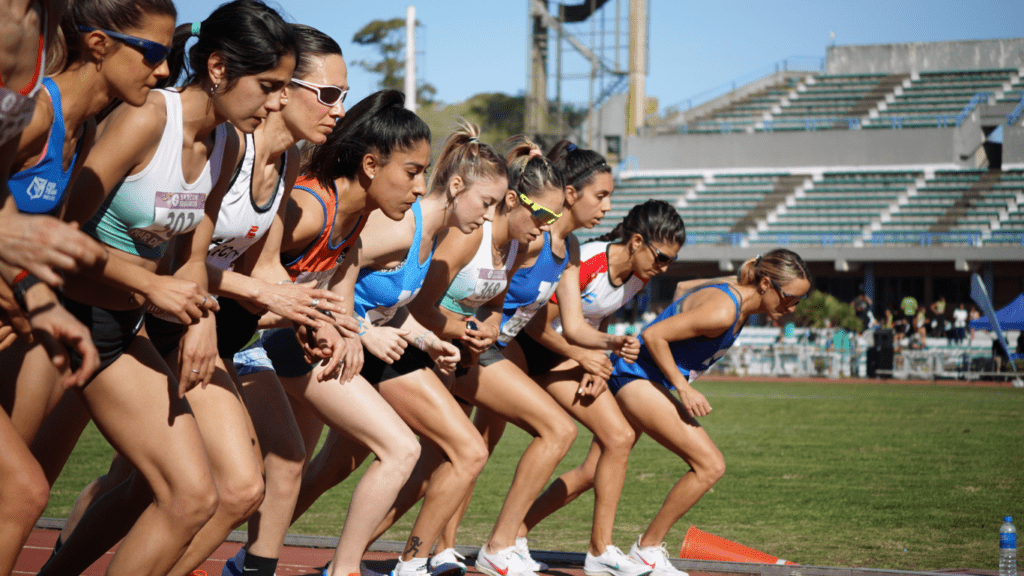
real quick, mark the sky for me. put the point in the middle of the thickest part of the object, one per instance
(466, 47)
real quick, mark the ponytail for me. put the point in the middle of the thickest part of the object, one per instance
(464, 155)
(578, 165)
(529, 172)
(654, 220)
(379, 123)
(780, 266)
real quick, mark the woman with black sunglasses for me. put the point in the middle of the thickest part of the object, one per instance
(680, 344)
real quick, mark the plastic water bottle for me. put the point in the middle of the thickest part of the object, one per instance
(1007, 548)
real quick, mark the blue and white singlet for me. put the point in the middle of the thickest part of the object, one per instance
(380, 293)
(40, 189)
(530, 289)
(693, 356)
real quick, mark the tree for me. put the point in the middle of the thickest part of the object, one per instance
(388, 36)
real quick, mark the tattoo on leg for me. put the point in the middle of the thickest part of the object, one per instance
(414, 545)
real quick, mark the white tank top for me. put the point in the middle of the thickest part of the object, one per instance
(240, 222)
(479, 281)
(147, 209)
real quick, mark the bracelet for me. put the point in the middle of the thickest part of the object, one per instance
(362, 330)
(21, 285)
(421, 340)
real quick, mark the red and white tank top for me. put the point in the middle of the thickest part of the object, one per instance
(601, 298)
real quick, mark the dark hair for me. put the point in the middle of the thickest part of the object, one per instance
(466, 156)
(379, 123)
(529, 172)
(578, 165)
(780, 265)
(654, 220)
(312, 43)
(251, 36)
(115, 15)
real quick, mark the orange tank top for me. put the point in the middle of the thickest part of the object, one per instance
(321, 258)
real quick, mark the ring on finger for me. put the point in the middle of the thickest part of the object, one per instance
(195, 371)
(315, 303)
(204, 300)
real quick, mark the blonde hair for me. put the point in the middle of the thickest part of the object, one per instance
(529, 172)
(464, 155)
(780, 265)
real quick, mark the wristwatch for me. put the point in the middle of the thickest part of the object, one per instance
(21, 286)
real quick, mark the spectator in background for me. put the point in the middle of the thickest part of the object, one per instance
(971, 317)
(921, 323)
(959, 324)
(938, 307)
(862, 307)
(909, 306)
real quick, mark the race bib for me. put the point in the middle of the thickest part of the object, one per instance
(173, 213)
(489, 284)
(515, 324)
(15, 113)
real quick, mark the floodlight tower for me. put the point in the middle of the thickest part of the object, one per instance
(537, 122)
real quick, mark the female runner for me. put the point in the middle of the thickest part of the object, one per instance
(53, 147)
(468, 182)
(676, 348)
(610, 274)
(589, 185)
(168, 155)
(374, 160)
(469, 276)
(251, 206)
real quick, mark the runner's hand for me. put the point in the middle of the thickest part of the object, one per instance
(591, 386)
(695, 403)
(595, 362)
(43, 245)
(385, 342)
(301, 303)
(627, 348)
(197, 355)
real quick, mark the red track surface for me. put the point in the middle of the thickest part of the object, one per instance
(294, 561)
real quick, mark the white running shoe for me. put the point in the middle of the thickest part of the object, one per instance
(414, 567)
(612, 562)
(233, 567)
(505, 562)
(655, 557)
(524, 552)
(447, 562)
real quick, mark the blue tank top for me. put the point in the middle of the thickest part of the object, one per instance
(530, 289)
(380, 293)
(40, 189)
(693, 356)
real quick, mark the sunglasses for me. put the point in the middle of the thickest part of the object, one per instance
(785, 295)
(539, 213)
(153, 52)
(329, 96)
(659, 257)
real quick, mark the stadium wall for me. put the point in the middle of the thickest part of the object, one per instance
(925, 56)
(954, 147)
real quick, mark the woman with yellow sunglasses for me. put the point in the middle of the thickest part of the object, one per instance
(468, 278)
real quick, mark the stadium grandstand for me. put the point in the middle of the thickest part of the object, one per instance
(895, 170)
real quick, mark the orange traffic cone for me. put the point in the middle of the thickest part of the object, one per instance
(699, 545)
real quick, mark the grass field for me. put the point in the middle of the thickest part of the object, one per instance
(886, 476)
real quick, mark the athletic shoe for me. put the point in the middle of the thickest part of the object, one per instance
(505, 562)
(612, 562)
(447, 562)
(524, 552)
(414, 567)
(233, 567)
(655, 557)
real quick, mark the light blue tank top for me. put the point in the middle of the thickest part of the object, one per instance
(530, 289)
(147, 209)
(693, 356)
(380, 293)
(40, 189)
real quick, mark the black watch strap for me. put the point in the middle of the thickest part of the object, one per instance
(21, 287)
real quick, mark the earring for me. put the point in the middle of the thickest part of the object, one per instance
(213, 89)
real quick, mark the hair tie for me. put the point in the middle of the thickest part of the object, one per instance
(570, 147)
(473, 140)
(758, 260)
(535, 152)
(195, 29)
